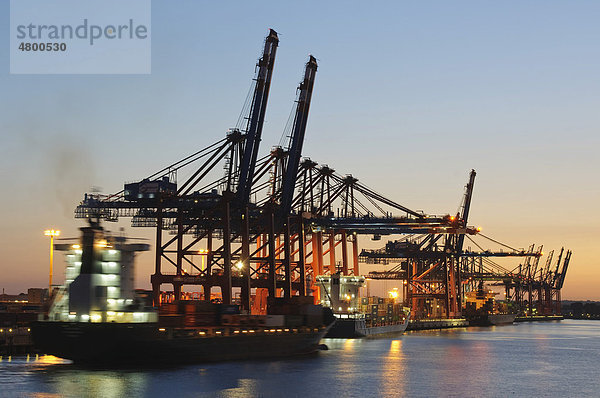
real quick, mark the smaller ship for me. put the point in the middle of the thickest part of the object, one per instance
(482, 309)
(360, 317)
(96, 317)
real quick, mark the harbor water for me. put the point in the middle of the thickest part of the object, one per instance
(538, 359)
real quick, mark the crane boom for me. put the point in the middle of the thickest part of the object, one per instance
(465, 210)
(563, 273)
(297, 139)
(257, 117)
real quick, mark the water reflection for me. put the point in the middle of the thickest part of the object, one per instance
(393, 371)
(516, 360)
(68, 381)
(246, 388)
(349, 344)
(395, 347)
(50, 360)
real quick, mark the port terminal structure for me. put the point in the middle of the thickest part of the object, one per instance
(268, 226)
(430, 270)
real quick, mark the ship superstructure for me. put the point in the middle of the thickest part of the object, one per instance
(99, 277)
(340, 293)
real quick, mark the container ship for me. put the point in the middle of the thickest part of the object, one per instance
(483, 310)
(360, 316)
(97, 318)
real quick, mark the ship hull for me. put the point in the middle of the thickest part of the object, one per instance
(356, 328)
(492, 319)
(105, 343)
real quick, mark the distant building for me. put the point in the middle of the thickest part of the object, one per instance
(36, 295)
(13, 298)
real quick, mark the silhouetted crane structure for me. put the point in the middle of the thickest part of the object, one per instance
(270, 225)
(437, 272)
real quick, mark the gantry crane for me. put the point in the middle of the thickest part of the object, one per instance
(263, 243)
(436, 267)
(270, 223)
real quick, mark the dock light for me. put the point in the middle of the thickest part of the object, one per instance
(51, 233)
(203, 253)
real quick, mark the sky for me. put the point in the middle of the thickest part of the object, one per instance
(409, 97)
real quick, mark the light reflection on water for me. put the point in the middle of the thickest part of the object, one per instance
(392, 371)
(537, 359)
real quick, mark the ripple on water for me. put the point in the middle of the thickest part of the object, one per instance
(538, 359)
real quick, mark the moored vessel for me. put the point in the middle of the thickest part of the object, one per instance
(96, 317)
(151, 344)
(360, 316)
(483, 310)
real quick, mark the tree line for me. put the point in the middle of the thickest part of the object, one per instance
(582, 310)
